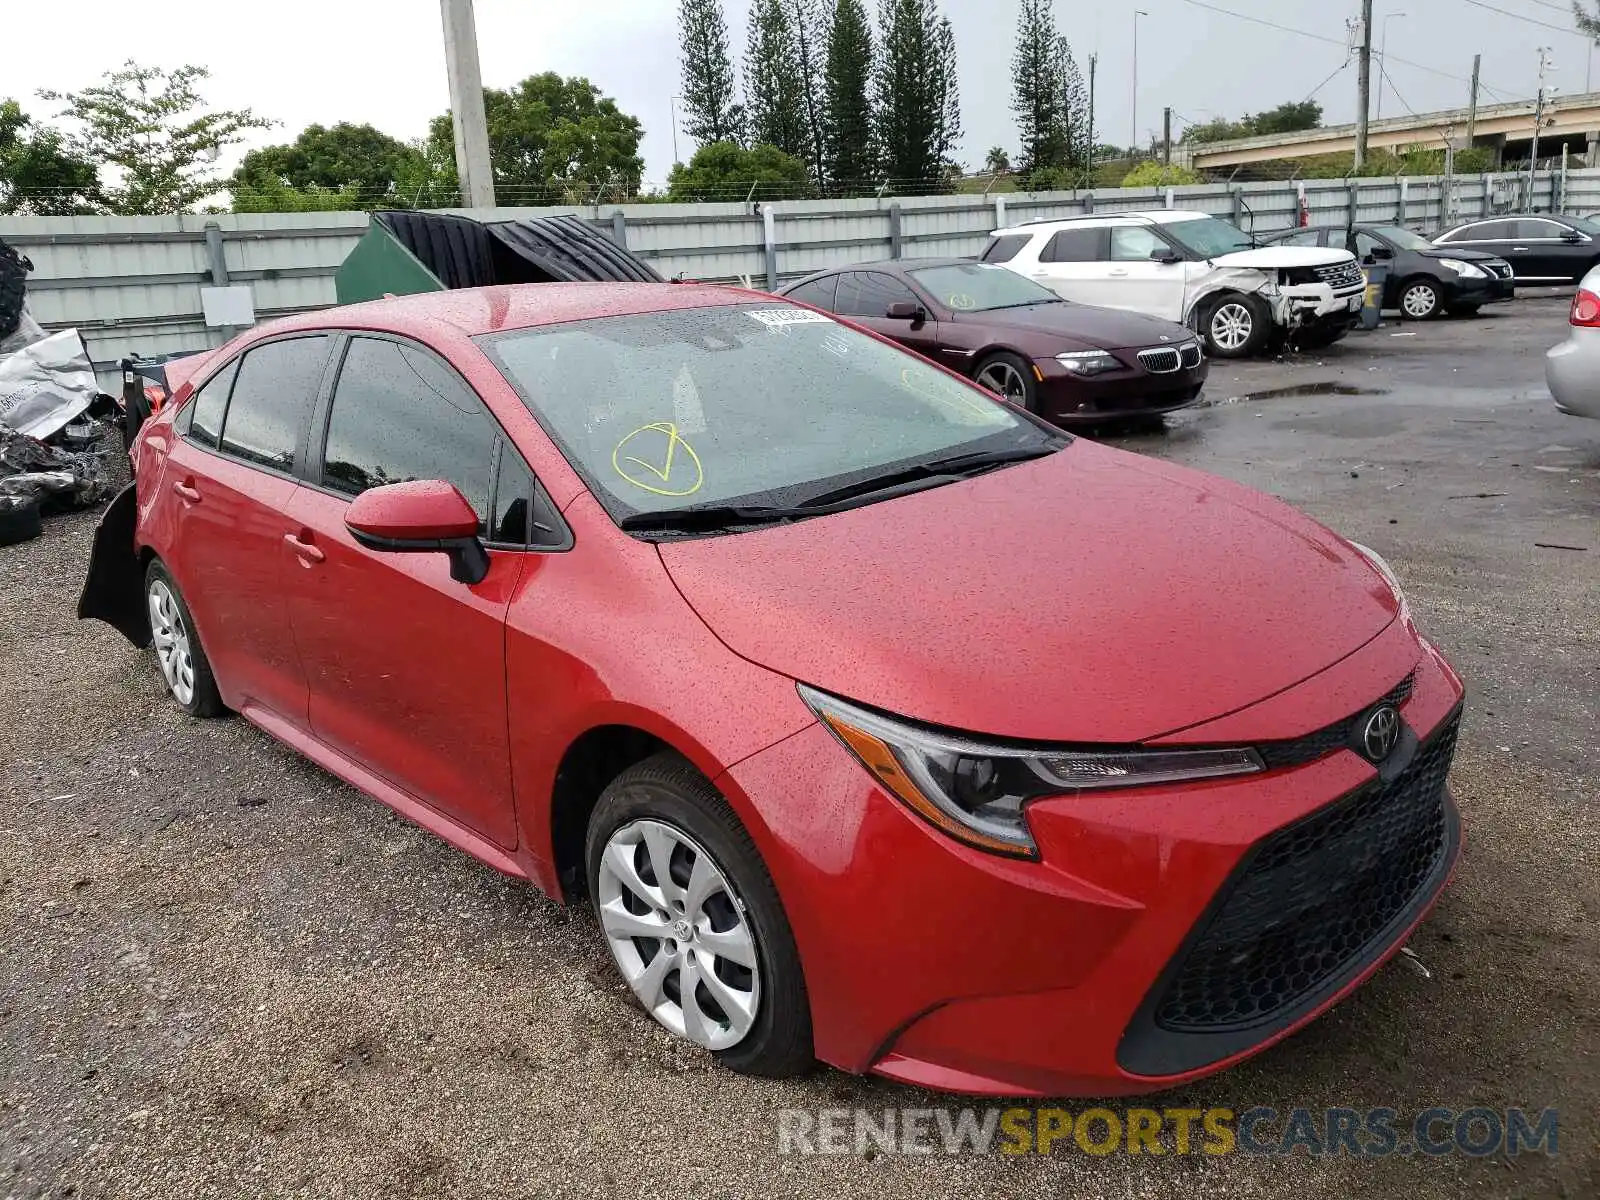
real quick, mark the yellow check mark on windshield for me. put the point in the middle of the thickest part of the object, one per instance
(673, 438)
(653, 478)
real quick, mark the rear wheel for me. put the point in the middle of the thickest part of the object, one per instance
(1009, 376)
(184, 666)
(1420, 300)
(693, 919)
(1236, 326)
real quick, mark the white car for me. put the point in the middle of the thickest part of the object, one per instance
(1572, 369)
(1192, 268)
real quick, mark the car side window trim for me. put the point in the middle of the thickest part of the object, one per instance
(539, 503)
(303, 438)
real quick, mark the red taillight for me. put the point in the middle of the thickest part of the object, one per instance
(1586, 309)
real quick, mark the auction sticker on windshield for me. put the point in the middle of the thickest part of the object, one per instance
(776, 317)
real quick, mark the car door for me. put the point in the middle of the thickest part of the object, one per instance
(865, 297)
(231, 474)
(1072, 265)
(406, 667)
(818, 293)
(1556, 253)
(1140, 282)
(1497, 237)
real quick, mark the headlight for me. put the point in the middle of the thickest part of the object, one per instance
(977, 793)
(1384, 569)
(1088, 362)
(1464, 269)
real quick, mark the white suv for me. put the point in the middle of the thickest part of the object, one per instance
(1193, 268)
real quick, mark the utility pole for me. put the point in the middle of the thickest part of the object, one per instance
(1133, 146)
(1094, 61)
(1472, 103)
(466, 104)
(1166, 138)
(1364, 104)
(1545, 65)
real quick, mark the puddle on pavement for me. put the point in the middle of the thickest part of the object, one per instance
(1310, 389)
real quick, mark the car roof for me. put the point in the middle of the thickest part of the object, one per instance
(475, 311)
(1155, 216)
(893, 266)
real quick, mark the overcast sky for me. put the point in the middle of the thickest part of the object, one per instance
(305, 61)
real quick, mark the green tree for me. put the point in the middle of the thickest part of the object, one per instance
(355, 158)
(152, 125)
(711, 112)
(1588, 23)
(726, 171)
(39, 175)
(919, 115)
(773, 81)
(270, 194)
(1286, 118)
(1036, 88)
(849, 161)
(810, 50)
(997, 161)
(1074, 106)
(1219, 129)
(549, 138)
(1153, 174)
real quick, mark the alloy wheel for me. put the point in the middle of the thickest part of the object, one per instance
(171, 637)
(1004, 380)
(679, 933)
(1419, 301)
(1231, 326)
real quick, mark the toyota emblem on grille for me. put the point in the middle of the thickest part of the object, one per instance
(1381, 733)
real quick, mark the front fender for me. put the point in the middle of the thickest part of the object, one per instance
(1244, 280)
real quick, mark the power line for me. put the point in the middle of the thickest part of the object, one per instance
(1336, 71)
(1525, 18)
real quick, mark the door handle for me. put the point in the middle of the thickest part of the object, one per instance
(187, 490)
(308, 553)
(1118, 273)
(1524, 249)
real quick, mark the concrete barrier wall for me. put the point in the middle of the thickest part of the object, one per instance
(132, 284)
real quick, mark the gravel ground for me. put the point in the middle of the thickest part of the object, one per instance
(223, 973)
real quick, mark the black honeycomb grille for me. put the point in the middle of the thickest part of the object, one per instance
(1336, 736)
(1313, 898)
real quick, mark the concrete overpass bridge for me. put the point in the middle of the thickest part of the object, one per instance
(1572, 121)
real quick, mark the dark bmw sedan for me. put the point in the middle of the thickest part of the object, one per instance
(1068, 363)
(1425, 280)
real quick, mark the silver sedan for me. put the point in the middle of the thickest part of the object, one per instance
(1572, 369)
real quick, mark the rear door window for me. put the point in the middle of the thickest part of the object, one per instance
(398, 415)
(272, 399)
(1002, 248)
(1306, 237)
(1539, 231)
(202, 420)
(1487, 231)
(819, 292)
(1076, 245)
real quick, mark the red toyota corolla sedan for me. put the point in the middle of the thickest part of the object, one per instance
(880, 722)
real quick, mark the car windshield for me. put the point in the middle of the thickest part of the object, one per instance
(1209, 237)
(750, 405)
(1404, 239)
(981, 287)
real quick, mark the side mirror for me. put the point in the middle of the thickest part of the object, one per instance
(906, 310)
(1166, 257)
(1572, 236)
(428, 516)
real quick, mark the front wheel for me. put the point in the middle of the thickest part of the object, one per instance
(1236, 326)
(1420, 300)
(693, 919)
(1009, 376)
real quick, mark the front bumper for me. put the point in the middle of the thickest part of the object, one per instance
(1300, 305)
(1481, 291)
(1065, 398)
(944, 967)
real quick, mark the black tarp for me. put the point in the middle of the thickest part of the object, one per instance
(461, 252)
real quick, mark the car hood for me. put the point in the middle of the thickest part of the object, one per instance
(1090, 327)
(1092, 596)
(1270, 258)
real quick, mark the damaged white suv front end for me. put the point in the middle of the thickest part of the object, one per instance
(1194, 268)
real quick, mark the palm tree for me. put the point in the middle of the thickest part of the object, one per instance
(997, 162)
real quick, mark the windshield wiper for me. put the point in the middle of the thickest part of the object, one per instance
(711, 517)
(1022, 304)
(935, 471)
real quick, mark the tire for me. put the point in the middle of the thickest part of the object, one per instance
(663, 809)
(1009, 376)
(13, 288)
(1420, 300)
(1235, 325)
(184, 667)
